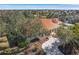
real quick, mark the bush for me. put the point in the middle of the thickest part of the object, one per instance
(18, 40)
(22, 44)
(69, 35)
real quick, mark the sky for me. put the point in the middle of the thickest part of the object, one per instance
(39, 6)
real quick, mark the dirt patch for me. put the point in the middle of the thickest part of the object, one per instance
(35, 48)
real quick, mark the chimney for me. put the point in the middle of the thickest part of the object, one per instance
(55, 20)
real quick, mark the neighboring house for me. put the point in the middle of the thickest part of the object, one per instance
(4, 43)
(50, 24)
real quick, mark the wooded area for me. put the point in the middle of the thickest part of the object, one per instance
(21, 26)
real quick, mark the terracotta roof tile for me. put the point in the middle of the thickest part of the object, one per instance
(49, 24)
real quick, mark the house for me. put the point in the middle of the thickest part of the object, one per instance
(51, 24)
(4, 43)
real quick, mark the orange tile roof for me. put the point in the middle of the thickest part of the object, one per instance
(49, 24)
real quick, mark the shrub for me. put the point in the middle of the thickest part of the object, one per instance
(23, 43)
(70, 37)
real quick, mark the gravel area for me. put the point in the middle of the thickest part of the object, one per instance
(50, 47)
